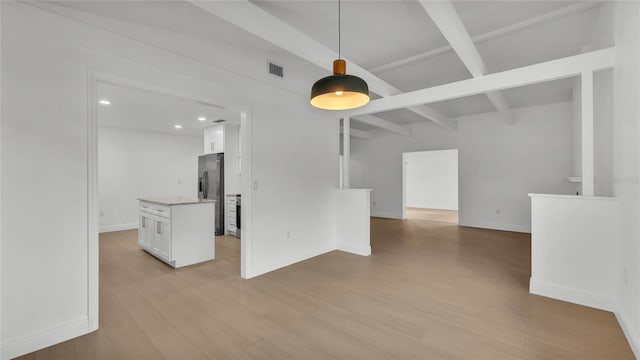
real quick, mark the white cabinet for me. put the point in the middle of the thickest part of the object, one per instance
(162, 238)
(214, 139)
(179, 232)
(154, 230)
(230, 216)
(145, 230)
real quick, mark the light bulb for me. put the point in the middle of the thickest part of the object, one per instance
(339, 92)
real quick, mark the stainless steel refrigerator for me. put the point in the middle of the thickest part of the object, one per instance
(211, 184)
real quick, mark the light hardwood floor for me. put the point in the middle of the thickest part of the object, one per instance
(447, 216)
(430, 290)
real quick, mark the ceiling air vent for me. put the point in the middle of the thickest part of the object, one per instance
(209, 104)
(219, 121)
(275, 69)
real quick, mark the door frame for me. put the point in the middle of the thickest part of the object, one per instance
(404, 177)
(97, 77)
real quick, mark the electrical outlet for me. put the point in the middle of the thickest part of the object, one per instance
(101, 213)
(625, 276)
(255, 185)
(498, 211)
(374, 203)
(179, 181)
(288, 234)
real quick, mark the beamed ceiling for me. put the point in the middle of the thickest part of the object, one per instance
(399, 46)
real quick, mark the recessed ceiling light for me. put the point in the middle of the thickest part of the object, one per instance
(104, 102)
(202, 118)
(177, 126)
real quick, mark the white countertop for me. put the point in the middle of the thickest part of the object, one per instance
(176, 200)
(572, 197)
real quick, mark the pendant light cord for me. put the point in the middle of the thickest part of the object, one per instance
(339, 30)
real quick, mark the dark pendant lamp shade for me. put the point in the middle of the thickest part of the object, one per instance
(339, 91)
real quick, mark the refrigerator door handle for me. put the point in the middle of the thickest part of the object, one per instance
(218, 187)
(205, 184)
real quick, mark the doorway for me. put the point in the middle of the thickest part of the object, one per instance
(430, 186)
(213, 109)
(150, 145)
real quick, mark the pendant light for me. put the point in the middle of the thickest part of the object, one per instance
(339, 91)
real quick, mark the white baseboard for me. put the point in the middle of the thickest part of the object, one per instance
(388, 215)
(44, 339)
(571, 295)
(431, 208)
(358, 250)
(118, 227)
(496, 226)
(629, 333)
(275, 264)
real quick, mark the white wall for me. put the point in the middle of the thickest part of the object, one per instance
(44, 192)
(232, 174)
(431, 179)
(295, 174)
(45, 293)
(603, 133)
(627, 165)
(574, 249)
(603, 37)
(134, 163)
(498, 164)
(353, 221)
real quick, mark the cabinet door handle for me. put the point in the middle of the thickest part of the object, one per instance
(159, 228)
(144, 223)
(212, 146)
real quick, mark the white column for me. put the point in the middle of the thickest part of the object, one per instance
(346, 152)
(587, 134)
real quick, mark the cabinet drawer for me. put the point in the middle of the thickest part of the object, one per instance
(155, 209)
(164, 211)
(146, 207)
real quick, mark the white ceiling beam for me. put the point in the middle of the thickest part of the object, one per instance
(432, 114)
(383, 124)
(541, 19)
(527, 75)
(429, 113)
(501, 105)
(260, 23)
(446, 18)
(360, 134)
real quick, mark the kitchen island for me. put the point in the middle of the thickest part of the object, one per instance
(177, 230)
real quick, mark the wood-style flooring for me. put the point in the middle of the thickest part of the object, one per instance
(431, 290)
(439, 215)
